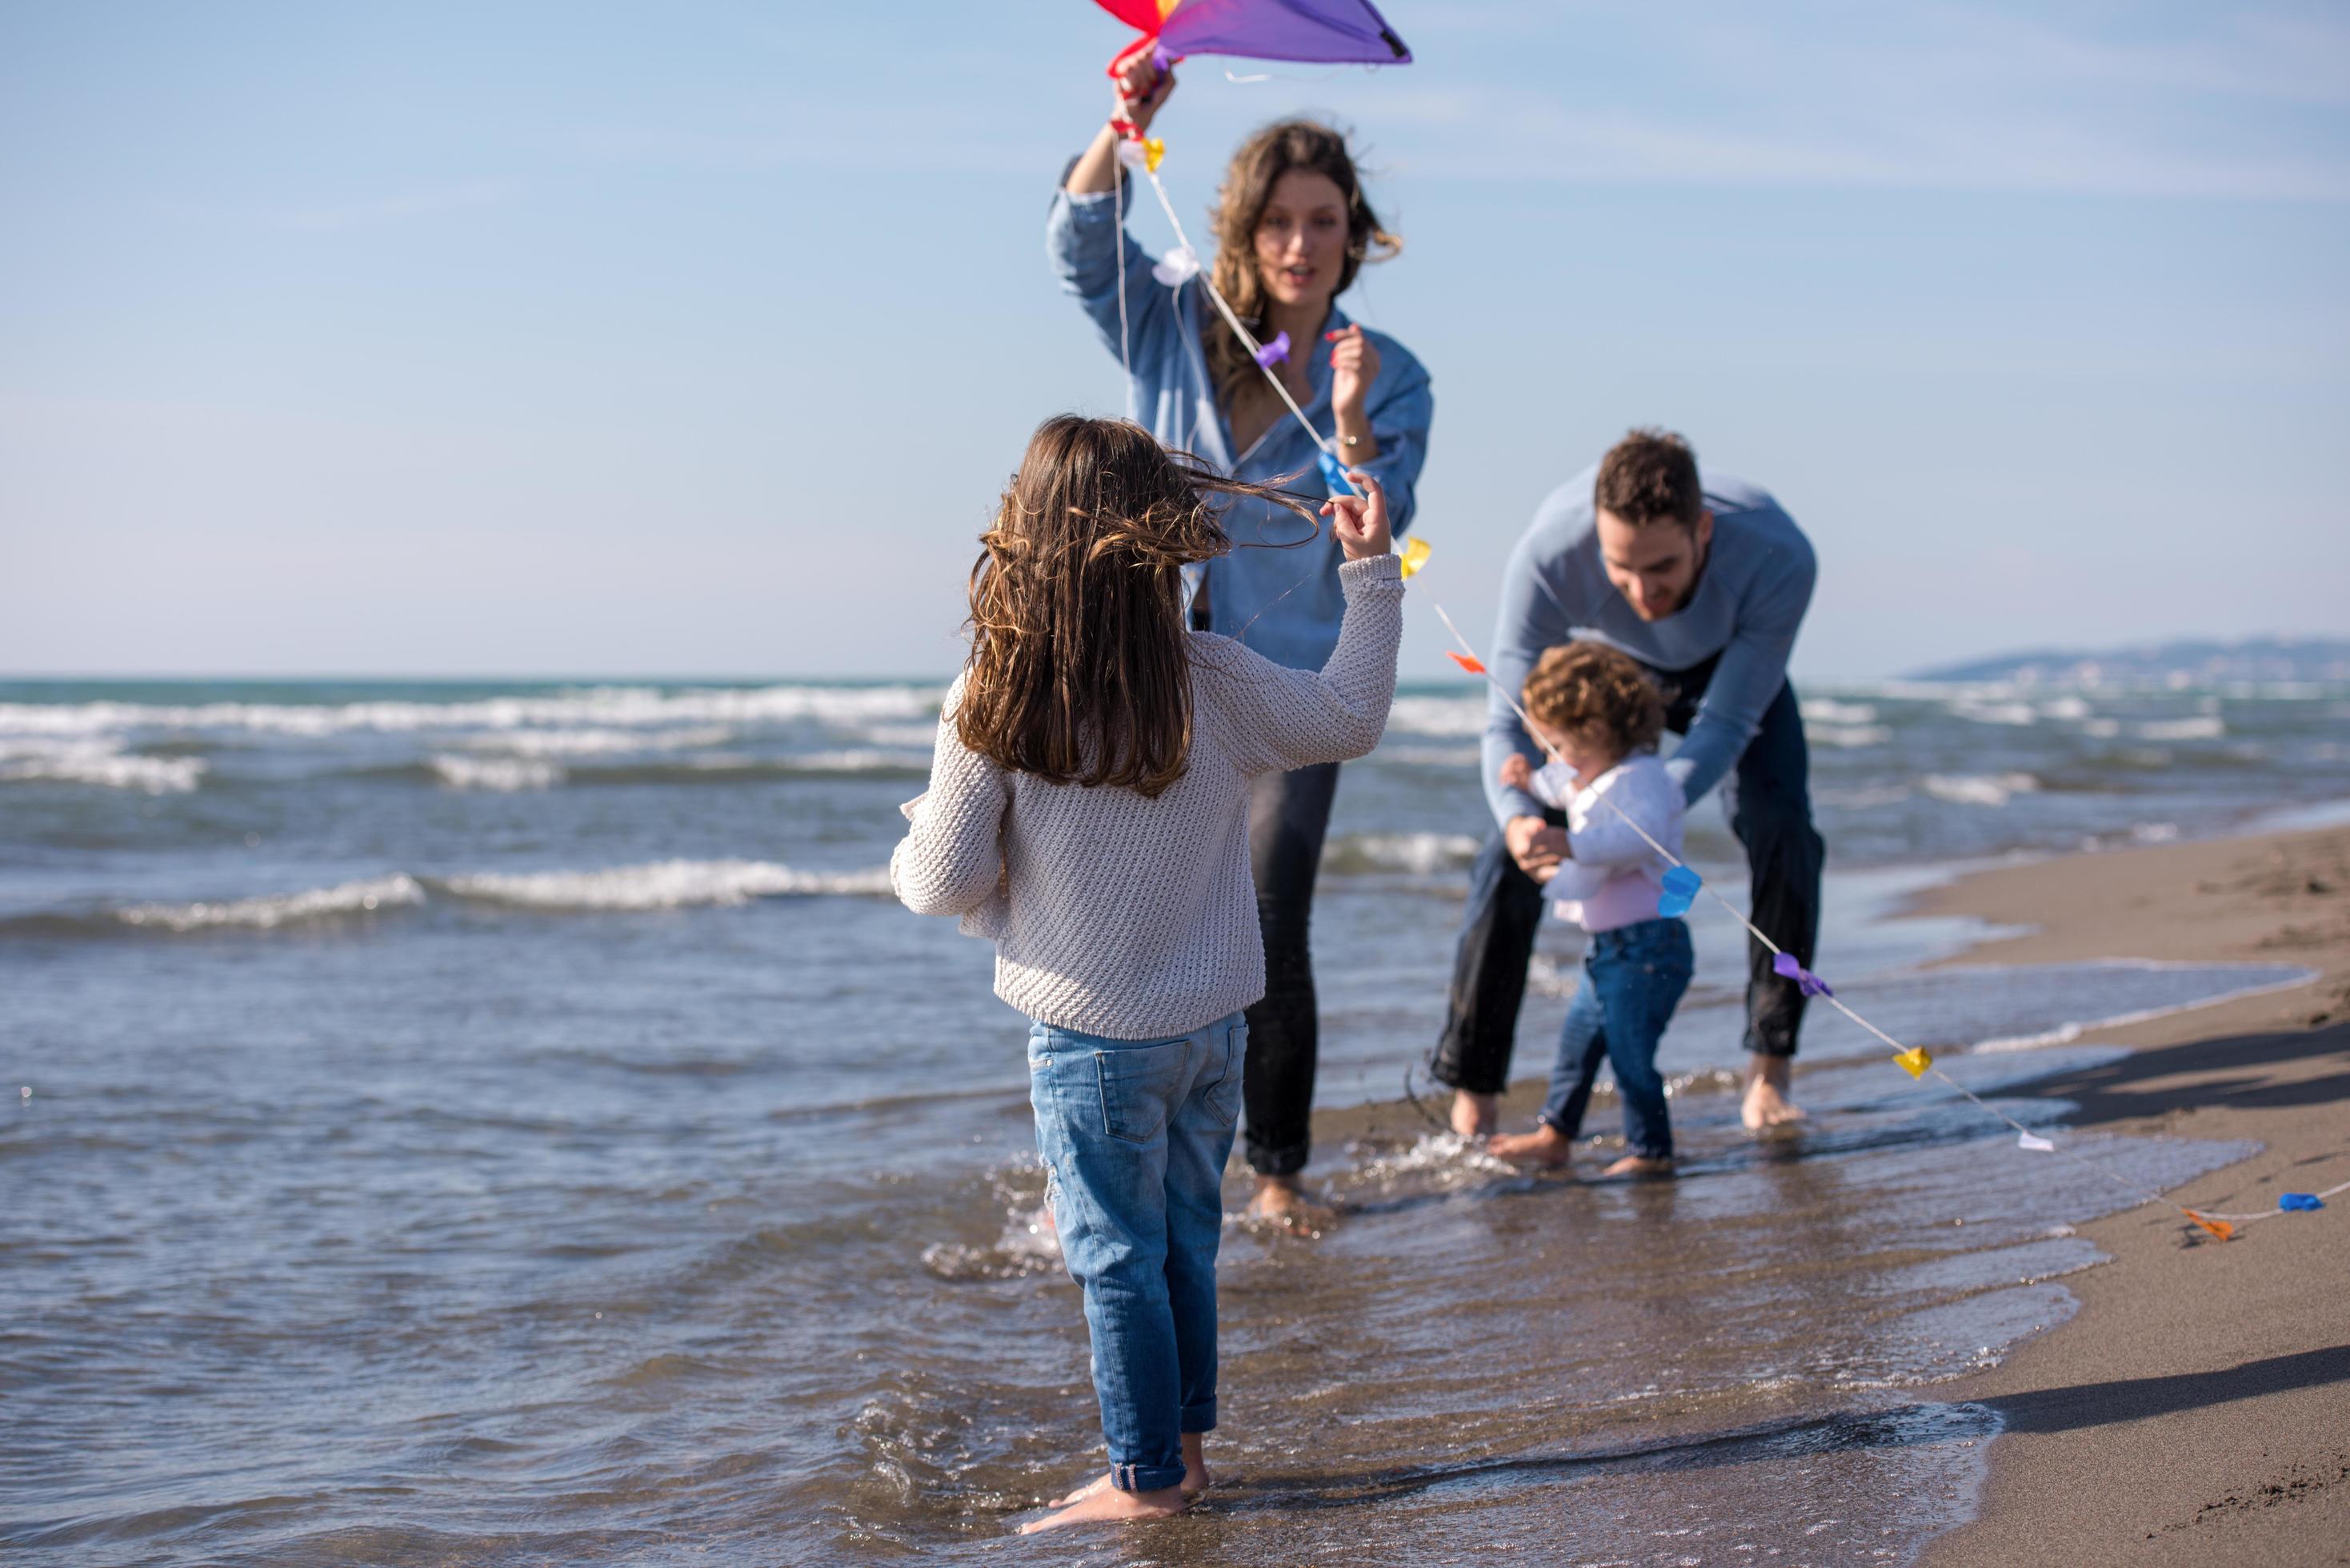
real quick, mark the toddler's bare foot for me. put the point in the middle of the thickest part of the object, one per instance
(1639, 1165)
(1104, 1503)
(1767, 1106)
(1475, 1116)
(1196, 1477)
(1279, 1201)
(1545, 1146)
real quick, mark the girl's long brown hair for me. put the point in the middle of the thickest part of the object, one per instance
(1080, 669)
(1248, 186)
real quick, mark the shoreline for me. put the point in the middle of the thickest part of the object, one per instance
(2191, 1410)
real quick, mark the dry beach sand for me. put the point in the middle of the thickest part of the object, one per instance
(2197, 1409)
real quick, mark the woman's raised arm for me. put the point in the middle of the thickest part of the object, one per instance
(1142, 88)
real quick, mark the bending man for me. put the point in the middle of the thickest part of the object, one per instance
(1704, 580)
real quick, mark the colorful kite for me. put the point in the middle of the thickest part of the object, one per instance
(1319, 32)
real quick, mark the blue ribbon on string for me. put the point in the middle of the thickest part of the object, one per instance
(1810, 984)
(2291, 1201)
(1680, 891)
(1333, 473)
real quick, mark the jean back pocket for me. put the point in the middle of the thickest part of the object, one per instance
(1140, 1084)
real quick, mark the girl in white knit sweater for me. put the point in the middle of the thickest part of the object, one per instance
(1087, 810)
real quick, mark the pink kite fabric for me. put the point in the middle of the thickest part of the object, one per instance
(1320, 32)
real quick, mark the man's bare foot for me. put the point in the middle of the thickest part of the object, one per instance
(1476, 1116)
(1279, 1201)
(1639, 1165)
(1767, 1105)
(1196, 1477)
(1545, 1146)
(1104, 1503)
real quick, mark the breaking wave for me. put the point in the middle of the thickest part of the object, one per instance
(661, 884)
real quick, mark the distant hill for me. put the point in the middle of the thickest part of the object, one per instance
(2262, 658)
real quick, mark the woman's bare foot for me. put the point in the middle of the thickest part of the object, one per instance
(1476, 1116)
(1196, 1477)
(1639, 1165)
(1767, 1105)
(1279, 1201)
(1104, 1503)
(1545, 1146)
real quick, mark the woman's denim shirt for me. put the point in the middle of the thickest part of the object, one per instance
(1284, 603)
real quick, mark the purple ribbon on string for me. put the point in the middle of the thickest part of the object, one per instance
(1786, 966)
(1680, 891)
(1275, 352)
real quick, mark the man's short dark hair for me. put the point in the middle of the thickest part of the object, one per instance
(1649, 476)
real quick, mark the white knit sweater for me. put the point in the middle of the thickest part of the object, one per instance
(1135, 918)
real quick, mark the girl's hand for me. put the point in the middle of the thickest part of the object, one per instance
(1360, 520)
(1142, 90)
(1354, 365)
(1518, 773)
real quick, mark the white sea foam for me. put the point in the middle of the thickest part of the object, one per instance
(2016, 714)
(2207, 727)
(2064, 708)
(1851, 737)
(601, 743)
(279, 909)
(496, 773)
(1420, 854)
(1444, 718)
(1828, 711)
(1977, 789)
(662, 885)
(919, 736)
(100, 762)
(2101, 729)
(596, 707)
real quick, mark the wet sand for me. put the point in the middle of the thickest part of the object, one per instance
(2197, 1410)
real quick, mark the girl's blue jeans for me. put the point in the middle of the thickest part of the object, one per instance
(1633, 978)
(1134, 1134)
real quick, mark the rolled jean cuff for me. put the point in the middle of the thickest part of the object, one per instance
(1287, 1160)
(1146, 1478)
(1199, 1418)
(1774, 1041)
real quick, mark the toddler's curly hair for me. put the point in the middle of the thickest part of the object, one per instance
(1597, 694)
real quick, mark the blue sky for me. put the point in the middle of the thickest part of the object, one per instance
(604, 339)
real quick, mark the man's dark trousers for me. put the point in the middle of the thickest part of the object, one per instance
(1770, 803)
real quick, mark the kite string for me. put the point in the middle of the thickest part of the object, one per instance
(1830, 997)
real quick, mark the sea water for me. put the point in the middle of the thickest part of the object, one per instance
(511, 1123)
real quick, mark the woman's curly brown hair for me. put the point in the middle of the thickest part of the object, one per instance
(1597, 694)
(1080, 664)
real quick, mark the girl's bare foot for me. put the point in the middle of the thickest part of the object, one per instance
(1279, 1201)
(1767, 1105)
(1476, 1116)
(1639, 1165)
(1104, 1503)
(1196, 1479)
(1545, 1146)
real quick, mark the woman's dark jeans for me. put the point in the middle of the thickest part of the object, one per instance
(1769, 802)
(1289, 815)
(1633, 978)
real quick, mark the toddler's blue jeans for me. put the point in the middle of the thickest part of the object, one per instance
(1135, 1133)
(1633, 978)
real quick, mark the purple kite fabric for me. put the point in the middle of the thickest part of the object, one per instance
(1786, 966)
(1320, 32)
(1268, 354)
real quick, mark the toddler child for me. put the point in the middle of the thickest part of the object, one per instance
(1088, 810)
(1602, 714)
